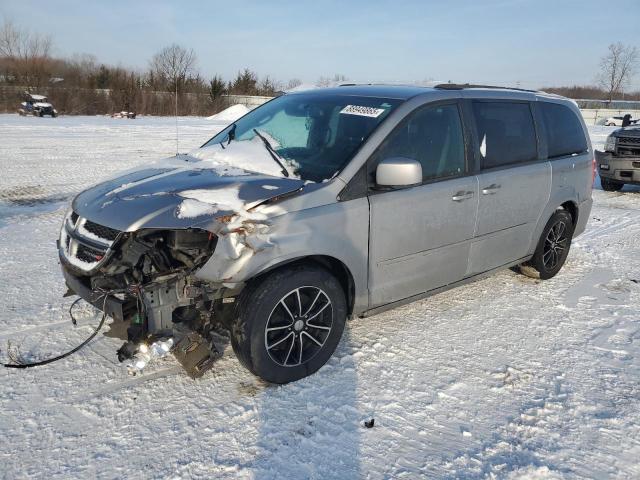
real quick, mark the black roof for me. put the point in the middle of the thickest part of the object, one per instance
(400, 92)
(463, 86)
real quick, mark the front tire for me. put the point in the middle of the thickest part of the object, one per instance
(289, 323)
(610, 185)
(553, 247)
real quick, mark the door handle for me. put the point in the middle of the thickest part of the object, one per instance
(460, 196)
(491, 189)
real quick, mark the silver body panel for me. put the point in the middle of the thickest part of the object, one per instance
(511, 201)
(420, 238)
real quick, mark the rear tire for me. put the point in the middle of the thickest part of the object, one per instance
(610, 185)
(553, 247)
(289, 323)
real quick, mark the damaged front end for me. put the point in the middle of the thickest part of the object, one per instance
(145, 281)
(133, 247)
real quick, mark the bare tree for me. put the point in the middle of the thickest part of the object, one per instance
(337, 79)
(323, 82)
(293, 83)
(617, 67)
(173, 64)
(28, 54)
(268, 86)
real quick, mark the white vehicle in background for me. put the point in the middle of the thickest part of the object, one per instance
(36, 105)
(124, 114)
(617, 121)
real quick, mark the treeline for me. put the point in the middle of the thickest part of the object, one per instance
(83, 85)
(591, 93)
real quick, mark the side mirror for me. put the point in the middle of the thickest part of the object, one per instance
(398, 172)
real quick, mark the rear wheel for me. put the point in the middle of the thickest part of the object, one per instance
(552, 249)
(289, 323)
(610, 185)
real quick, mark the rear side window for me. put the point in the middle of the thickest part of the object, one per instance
(506, 133)
(562, 130)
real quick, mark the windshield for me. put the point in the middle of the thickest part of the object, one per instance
(314, 135)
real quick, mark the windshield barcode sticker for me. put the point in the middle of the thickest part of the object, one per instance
(362, 111)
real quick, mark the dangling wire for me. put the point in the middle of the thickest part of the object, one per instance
(70, 352)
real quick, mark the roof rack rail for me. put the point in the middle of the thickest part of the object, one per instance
(462, 86)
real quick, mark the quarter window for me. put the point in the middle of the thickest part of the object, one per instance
(433, 136)
(506, 134)
(562, 130)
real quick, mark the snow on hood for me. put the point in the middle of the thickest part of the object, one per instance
(208, 202)
(249, 155)
(42, 104)
(178, 196)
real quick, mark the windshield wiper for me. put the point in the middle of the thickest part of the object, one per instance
(272, 152)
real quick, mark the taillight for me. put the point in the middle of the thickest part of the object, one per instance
(593, 177)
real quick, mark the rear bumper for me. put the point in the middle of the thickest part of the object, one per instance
(110, 305)
(620, 169)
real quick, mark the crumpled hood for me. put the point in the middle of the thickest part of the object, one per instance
(177, 196)
(630, 131)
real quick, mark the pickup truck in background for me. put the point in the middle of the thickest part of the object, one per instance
(619, 164)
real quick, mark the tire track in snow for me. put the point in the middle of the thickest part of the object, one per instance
(612, 226)
(114, 387)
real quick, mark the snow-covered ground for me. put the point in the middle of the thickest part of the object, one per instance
(506, 377)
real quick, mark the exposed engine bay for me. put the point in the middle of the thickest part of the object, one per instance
(145, 281)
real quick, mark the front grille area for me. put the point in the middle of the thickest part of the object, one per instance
(627, 151)
(101, 231)
(89, 255)
(85, 244)
(629, 146)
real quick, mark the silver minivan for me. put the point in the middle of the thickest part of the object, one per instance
(322, 205)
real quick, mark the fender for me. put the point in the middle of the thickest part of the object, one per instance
(339, 231)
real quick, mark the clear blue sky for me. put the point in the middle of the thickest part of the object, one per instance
(536, 43)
